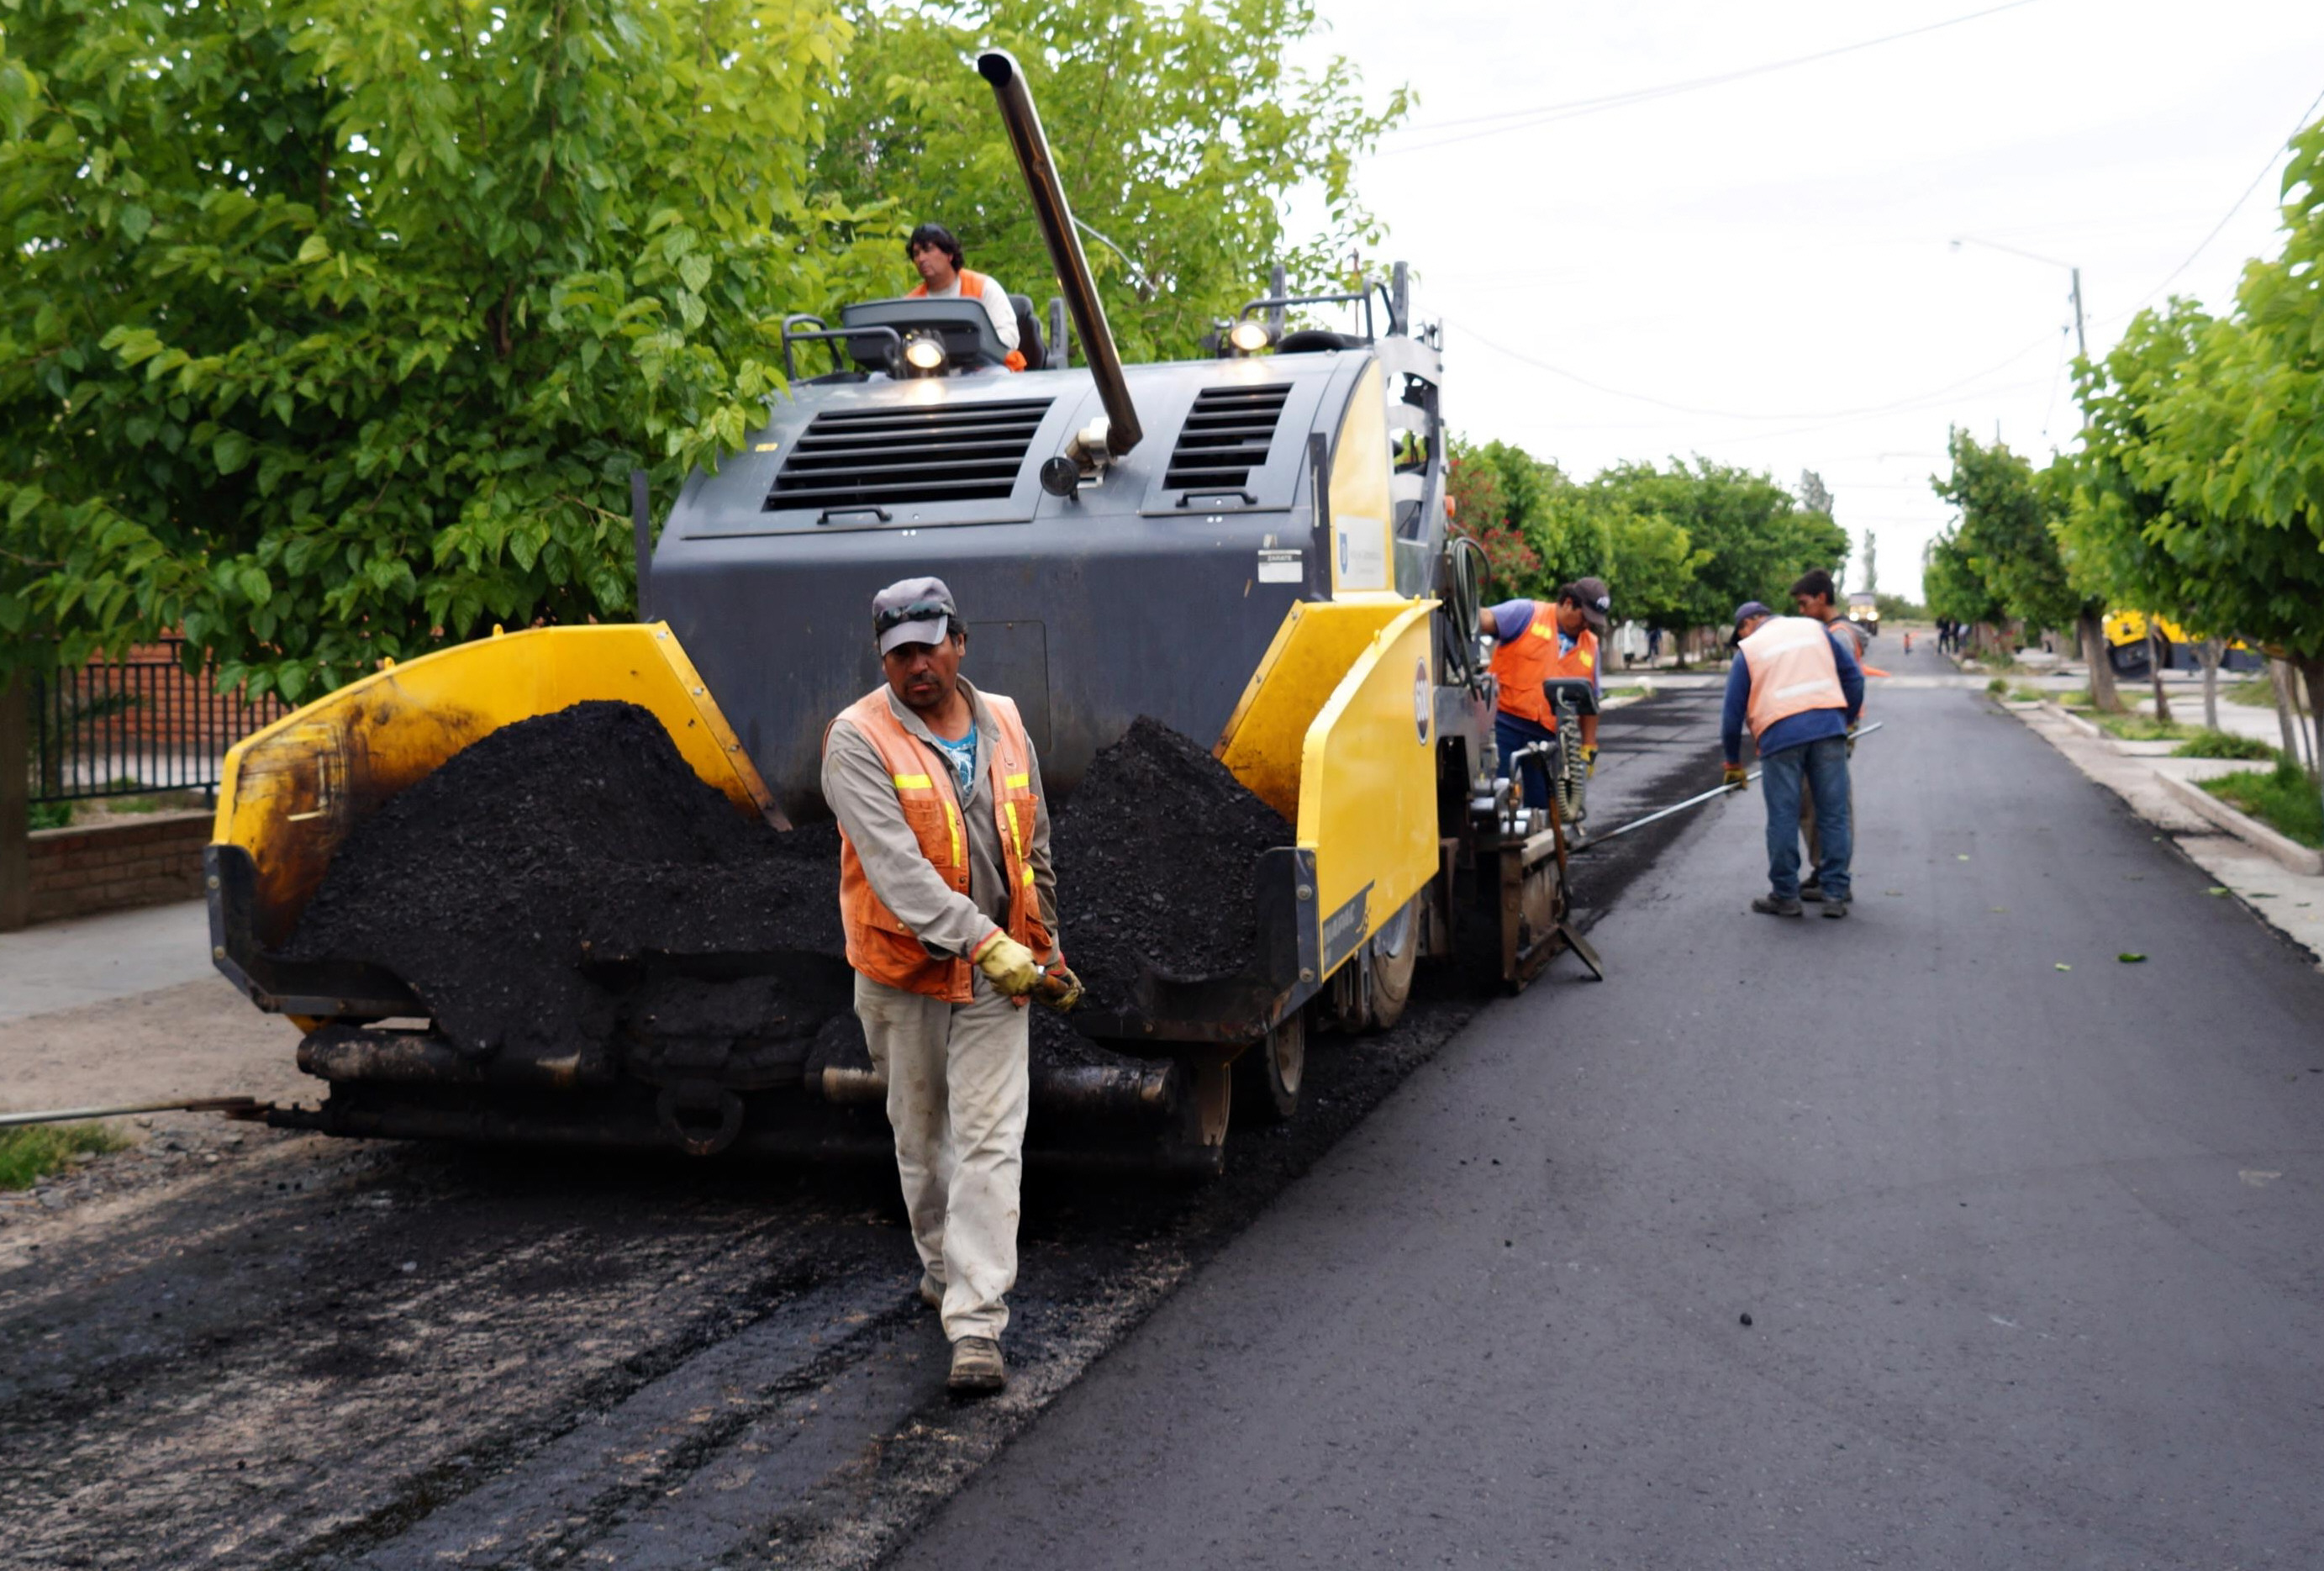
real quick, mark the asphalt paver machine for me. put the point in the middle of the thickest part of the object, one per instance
(1252, 548)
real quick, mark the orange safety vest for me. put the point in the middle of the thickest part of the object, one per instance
(1523, 663)
(972, 287)
(878, 945)
(1793, 670)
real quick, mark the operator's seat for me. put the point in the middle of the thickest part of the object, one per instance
(1028, 333)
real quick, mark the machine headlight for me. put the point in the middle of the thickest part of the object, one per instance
(1250, 335)
(924, 354)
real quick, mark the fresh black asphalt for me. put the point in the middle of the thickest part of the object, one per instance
(1937, 1237)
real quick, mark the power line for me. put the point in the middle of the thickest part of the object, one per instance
(2306, 115)
(1543, 113)
(1900, 404)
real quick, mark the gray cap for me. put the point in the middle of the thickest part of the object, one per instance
(1595, 600)
(913, 611)
(1743, 614)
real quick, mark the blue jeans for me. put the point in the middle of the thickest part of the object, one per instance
(1822, 767)
(1510, 732)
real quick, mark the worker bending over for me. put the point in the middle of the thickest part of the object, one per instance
(1813, 595)
(938, 257)
(950, 910)
(1796, 684)
(1531, 644)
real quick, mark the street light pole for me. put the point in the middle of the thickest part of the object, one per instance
(2081, 343)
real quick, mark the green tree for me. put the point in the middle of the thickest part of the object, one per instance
(1181, 130)
(1952, 586)
(1748, 536)
(2231, 441)
(332, 331)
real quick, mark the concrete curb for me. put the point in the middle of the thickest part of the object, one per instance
(2096, 732)
(2299, 858)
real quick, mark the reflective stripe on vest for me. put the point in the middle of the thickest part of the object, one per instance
(1793, 670)
(879, 945)
(1524, 662)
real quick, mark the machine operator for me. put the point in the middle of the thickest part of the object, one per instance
(939, 259)
(1534, 643)
(949, 906)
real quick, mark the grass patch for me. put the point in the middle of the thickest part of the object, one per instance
(2255, 692)
(31, 1152)
(2284, 798)
(1630, 692)
(49, 816)
(2142, 729)
(1999, 685)
(2075, 699)
(2025, 695)
(2222, 744)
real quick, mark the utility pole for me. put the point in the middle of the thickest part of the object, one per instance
(1871, 563)
(2081, 345)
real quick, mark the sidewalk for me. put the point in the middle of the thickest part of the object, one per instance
(2290, 903)
(127, 1007)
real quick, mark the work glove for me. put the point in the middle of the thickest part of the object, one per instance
(1060, 989)
(1736, 775)
(1588, 759)
(1008, 964)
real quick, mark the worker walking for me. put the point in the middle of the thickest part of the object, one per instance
(1534, 643)
(1797, 686)
(939, 259)
(1813, 595)
(949, 905)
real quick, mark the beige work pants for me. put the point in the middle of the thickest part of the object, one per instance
(957, 1089)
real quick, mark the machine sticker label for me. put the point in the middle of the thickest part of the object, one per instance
(1279, 567)
(1363, 551)
(1343, 929)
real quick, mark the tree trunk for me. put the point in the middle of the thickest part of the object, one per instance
(2210, 650)
(2279, 675)
(2154, 670)
(2102, 697)
(2311, 676)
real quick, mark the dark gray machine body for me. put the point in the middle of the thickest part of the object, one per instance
(1154, 590)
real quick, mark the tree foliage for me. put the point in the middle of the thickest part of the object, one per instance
(337, 328)
(1748, 536)
(2005, 538)
(332, 331)
(1180, 132)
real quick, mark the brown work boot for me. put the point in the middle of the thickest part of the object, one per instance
(1835, 908)
(1775, 905)
(976, 1366)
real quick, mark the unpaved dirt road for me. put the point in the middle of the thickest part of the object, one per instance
(235, 1347)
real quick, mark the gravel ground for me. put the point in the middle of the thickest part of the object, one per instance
(236, 1347)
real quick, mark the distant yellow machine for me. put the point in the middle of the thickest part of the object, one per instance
(2126, 636)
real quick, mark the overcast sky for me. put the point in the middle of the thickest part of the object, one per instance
(1776, 250)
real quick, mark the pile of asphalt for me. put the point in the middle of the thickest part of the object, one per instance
(529, 890)
(1156, 856)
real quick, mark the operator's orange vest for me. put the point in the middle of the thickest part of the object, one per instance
(1531, 658)
(1793, 670)
(972, 287)
(878, 945)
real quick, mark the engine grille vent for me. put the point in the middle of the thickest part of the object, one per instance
(1226, 435)
(876, 457)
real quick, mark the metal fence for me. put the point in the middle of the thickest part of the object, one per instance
(134, 726)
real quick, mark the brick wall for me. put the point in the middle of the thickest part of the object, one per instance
(144, 862)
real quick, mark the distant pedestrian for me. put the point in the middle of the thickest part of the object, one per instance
(1654, 644)
(1797, 686)
(1908, 641)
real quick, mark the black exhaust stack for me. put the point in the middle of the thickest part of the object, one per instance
(1000, 67)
